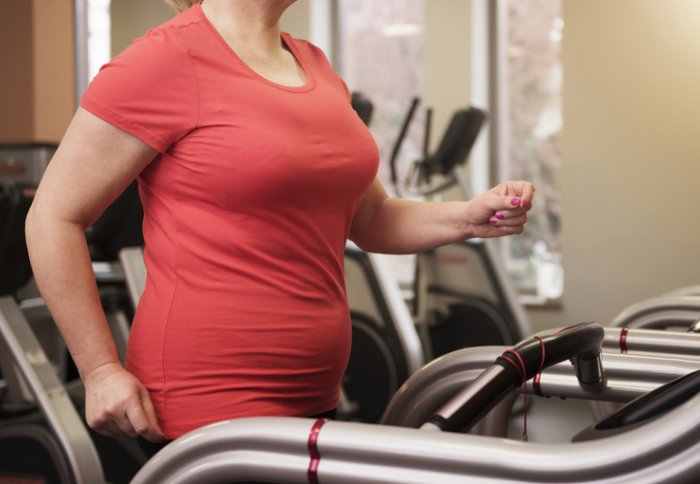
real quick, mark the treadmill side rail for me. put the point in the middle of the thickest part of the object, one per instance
(276, 449)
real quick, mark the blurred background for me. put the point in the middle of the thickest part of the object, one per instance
(594, 101)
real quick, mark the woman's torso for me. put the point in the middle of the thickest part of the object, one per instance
(246, 218)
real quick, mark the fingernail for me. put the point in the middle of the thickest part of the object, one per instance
(515, 202)
(500, 215)
(493, 220)
(523, 204)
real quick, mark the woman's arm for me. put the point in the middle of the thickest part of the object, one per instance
(92, 166)
(395, 226)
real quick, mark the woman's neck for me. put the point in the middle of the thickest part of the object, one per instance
(250, 24)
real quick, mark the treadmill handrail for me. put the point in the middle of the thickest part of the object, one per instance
(666, 449)
(627, 377)
(659, 313)
(582, 342)
(652, 341)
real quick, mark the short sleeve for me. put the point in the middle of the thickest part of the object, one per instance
(149, 90)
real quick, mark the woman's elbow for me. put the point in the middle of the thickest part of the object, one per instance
(39, 225)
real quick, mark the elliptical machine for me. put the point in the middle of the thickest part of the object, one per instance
(463, 297)
(653, 439)
(51, 444)
(42, 434)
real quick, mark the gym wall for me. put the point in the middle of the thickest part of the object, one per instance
(132, 18)
(447, 60)
(297, 19)
(37, 99)
(16, 56)
(631, 149)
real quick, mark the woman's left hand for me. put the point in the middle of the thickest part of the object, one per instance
(500, 211)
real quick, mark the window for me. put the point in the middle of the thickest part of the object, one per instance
(93, 44)
(527, 137)
(99, 45)
(380, 53)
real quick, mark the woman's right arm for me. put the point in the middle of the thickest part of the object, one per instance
(94, 163)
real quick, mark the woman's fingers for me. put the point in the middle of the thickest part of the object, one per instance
(514, 194)
(508, 221)
(496, 230)
(134, 418)
(509, 214)
(502, 210)
(513, 204)
(107, 428)
(124, 422)
(144, 421)
(117, 403)
(527, 192)
(108, 423)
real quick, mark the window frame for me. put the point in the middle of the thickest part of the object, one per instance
(490, 86)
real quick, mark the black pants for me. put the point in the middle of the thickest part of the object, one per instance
(150, 449)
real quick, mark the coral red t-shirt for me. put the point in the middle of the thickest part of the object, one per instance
(247, 210)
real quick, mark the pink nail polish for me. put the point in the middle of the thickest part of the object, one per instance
(500, 215)
(493, 220)
(515, 202)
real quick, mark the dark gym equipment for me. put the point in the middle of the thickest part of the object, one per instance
(463, 296)
(46, 421)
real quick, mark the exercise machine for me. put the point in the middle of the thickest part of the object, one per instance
(386, 348)
(666, 312)
(627, 376)
(662, 326)
(42, 433)
(42, 436)
(655, 438)
(462, 294)
(24, 163)
(684, 291)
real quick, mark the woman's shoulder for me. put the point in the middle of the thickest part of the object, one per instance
(171, 34)
(150, 89)
(164, 49)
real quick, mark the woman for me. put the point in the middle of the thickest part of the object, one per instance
(253, 171)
